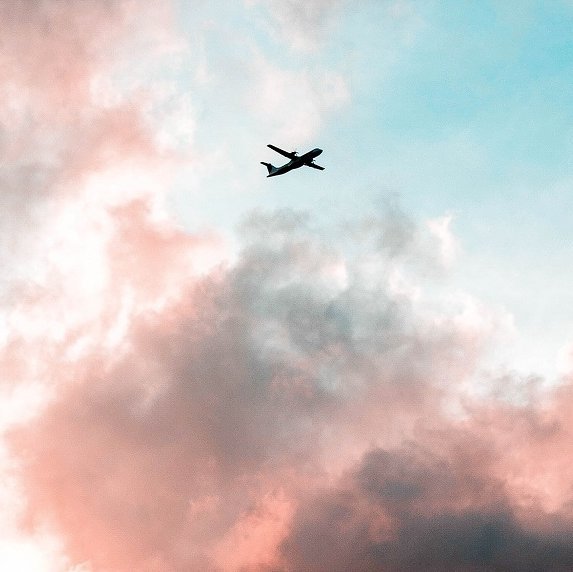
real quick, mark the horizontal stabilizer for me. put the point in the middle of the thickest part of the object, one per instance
(270, 168)
(315, 166)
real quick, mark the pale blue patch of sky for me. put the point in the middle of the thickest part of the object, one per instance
(455, 106)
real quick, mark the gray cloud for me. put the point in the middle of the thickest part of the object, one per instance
(417, 510)
(262, 377)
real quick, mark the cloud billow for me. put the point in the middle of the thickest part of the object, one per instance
(416, 510)
(303, 403)
(259, 383)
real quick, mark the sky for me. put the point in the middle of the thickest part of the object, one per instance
(364, 368)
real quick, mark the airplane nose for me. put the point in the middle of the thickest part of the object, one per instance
(318, 152)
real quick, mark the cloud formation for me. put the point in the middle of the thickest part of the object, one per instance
(218, 400)
(308, 403)
(286, 412)
(413, 509)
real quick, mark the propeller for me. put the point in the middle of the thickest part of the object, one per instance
(295, 152)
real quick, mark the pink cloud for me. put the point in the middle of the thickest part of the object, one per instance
(302, 406)
(262, 420)
(415, 509)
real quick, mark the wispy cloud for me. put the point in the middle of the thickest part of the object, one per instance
(302, 25)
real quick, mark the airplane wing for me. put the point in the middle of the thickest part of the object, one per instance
(285, 153)
(315, 166)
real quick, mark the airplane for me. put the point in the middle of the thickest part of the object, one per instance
(295, 162)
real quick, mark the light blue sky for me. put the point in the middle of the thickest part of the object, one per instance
(458, 107)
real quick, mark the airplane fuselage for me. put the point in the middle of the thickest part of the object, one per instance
(296, 162)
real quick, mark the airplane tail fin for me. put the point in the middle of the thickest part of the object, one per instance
(271, 169)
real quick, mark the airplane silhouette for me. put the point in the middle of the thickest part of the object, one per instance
(295, 162)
